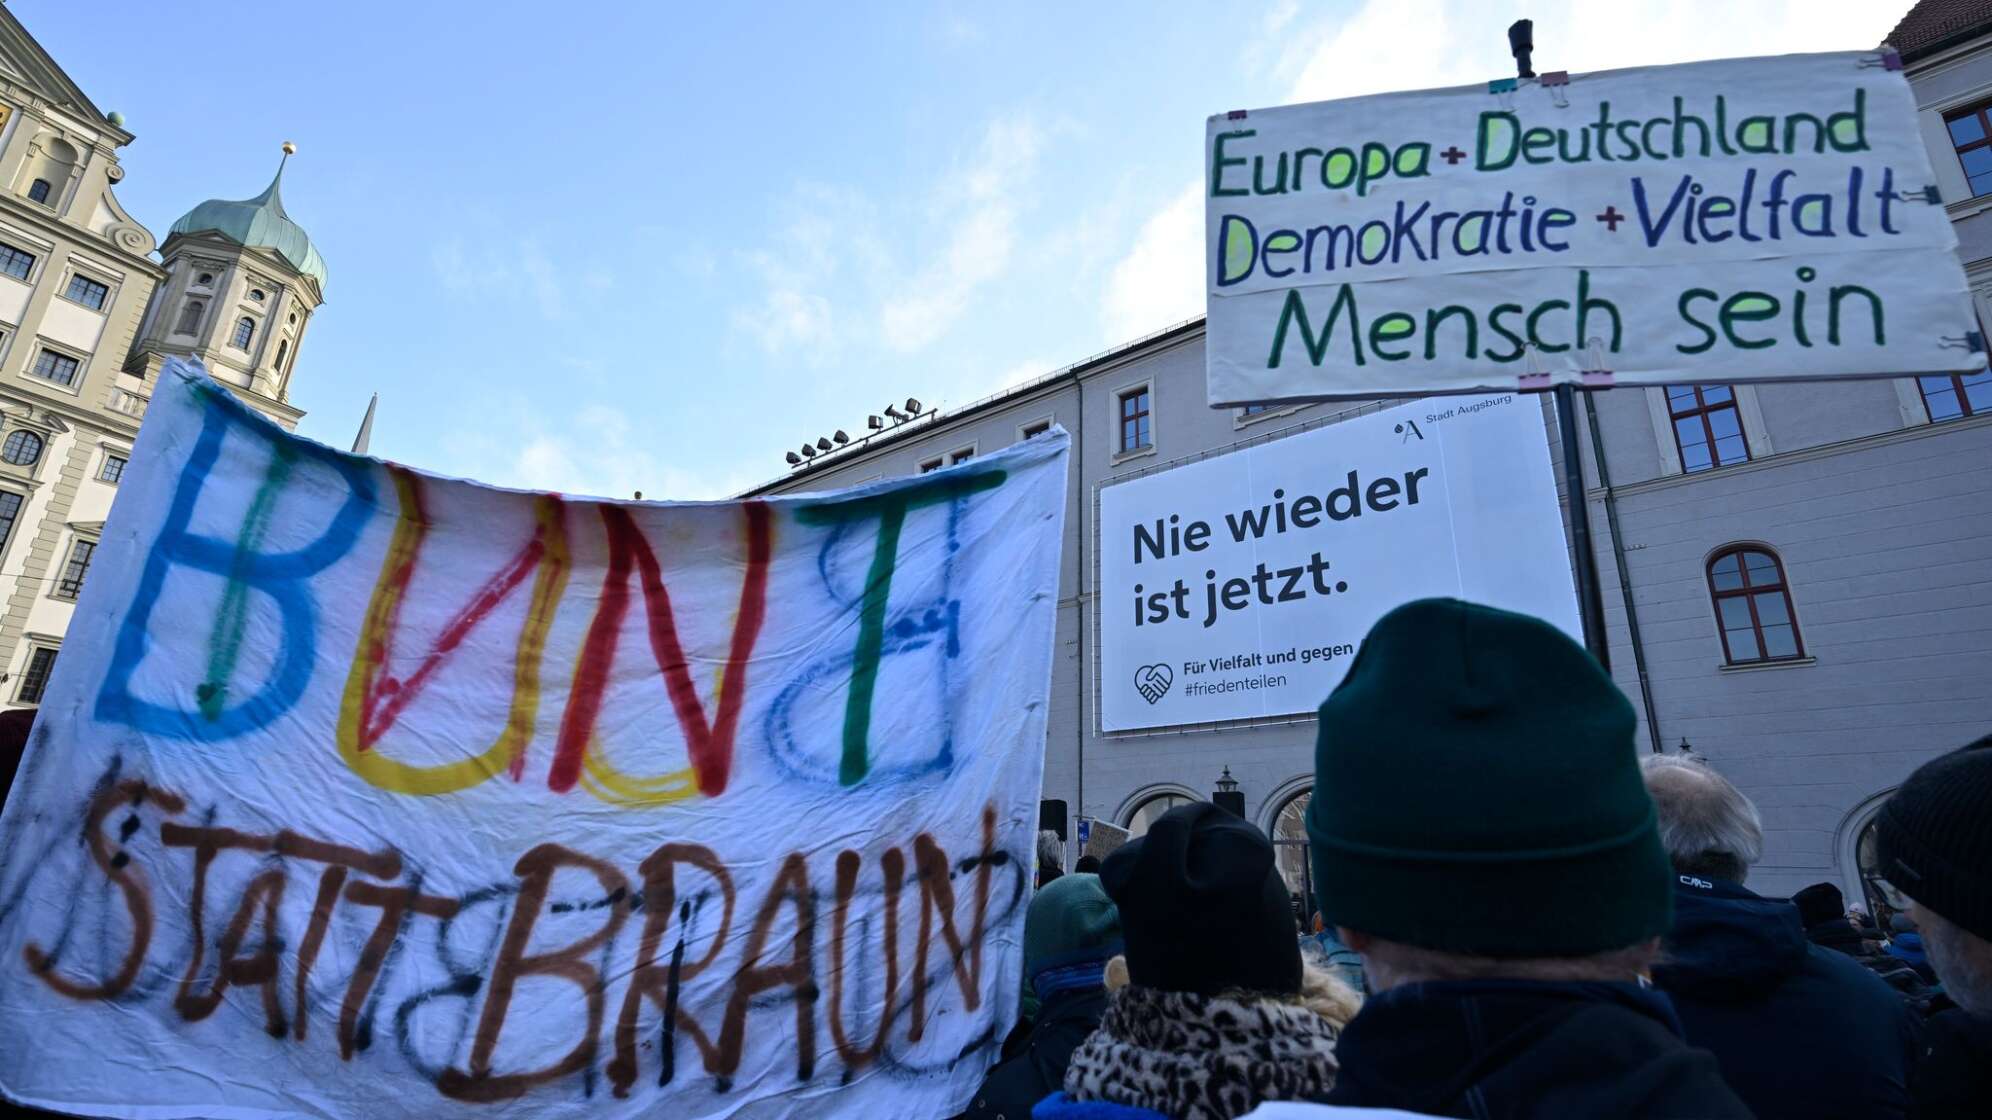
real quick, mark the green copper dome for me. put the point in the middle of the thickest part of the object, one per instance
(257, 223)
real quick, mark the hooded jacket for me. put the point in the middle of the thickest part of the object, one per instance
(1800, 1031)
(1521, 1049)
(1014, 1086)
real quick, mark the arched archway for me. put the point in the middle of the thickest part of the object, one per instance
(1144, 805)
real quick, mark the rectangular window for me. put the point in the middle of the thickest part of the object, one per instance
(16, 262)
(961, 456)
(1971, 136)
(34, 680)
(113, 468)
(1707, 427)
(1254, 409)
(87, 292)
(1036, 428)
(71, 583)
(930, 466)
(10, 511)
(1951, 396)
(59, 368)
(1135, 410)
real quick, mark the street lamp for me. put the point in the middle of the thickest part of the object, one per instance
(1227, 796)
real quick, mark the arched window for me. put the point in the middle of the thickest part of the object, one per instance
(38, 191)
(22, 449)
(190, 317)
(245, 329)
(1290, 849)
(1150, 811)
(1753, 606)
(283, 349)
(1876, 891)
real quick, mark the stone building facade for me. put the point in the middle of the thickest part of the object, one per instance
(1806, 587)
(88, 316)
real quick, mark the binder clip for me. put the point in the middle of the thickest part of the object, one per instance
(1888, 59)
(1504, 90)
(1536, 379)
(1557, 82)
(1594, 375)
(1971, 342)
(1236, 115)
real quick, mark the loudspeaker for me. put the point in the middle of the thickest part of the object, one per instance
(1051, 815)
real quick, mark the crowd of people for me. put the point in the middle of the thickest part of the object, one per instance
(1519, 917)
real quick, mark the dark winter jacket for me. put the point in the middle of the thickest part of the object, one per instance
(1839, 935)
(1953, 1076)
(1514, 1049)
(1801, 1032)
(1907, 947)
(1013, 1086)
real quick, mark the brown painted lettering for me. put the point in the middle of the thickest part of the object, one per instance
(118, 868)
(536, 869)
(662, 983)
(893, 864)
(937, 894)
(791, 887)
(395, 904)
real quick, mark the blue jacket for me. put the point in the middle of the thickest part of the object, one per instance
(1800, 1031)
(1059, 1107)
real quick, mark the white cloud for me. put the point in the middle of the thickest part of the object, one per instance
(838, 273)
(592, 451)
(979, 203)
(517, 269)
(1159, 279)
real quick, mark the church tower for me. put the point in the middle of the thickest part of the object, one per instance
(242, 282)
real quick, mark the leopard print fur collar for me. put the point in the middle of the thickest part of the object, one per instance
(1198, 1057)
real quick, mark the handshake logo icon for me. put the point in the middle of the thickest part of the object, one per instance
(1153, 681)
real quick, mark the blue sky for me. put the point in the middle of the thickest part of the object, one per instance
(602, 247)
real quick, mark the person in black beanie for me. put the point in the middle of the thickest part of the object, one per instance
(1212, 1011)
(1934, 840)
(1482, 837)
(1828, 925)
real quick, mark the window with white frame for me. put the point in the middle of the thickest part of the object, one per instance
(90, 293)
(70, 584)
(113, 469)
(14, 262)
(53, 365)
(34, 678)
(1136, 416)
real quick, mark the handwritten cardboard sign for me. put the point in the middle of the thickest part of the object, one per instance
(361, 792)
(1744, 220)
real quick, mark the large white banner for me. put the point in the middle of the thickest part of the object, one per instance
(365, 793)
(1743, 220)
(1240, 586)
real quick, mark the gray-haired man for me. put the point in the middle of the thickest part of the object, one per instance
(1800, 1031)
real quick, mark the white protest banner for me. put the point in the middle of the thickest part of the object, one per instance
(1744, 220)
(1240, 586)
(365, 793)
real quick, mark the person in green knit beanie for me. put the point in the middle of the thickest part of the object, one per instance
(1481, 836)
